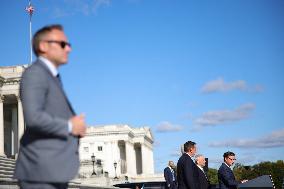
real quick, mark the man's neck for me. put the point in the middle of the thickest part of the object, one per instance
(227, 164)
(51, 66)
(190, 154)
(48, 59)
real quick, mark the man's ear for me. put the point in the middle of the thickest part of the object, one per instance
(43, 46)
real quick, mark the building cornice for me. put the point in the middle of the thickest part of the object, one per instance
(106, 133)
(11, 81)
(142, 134)
(1, 81)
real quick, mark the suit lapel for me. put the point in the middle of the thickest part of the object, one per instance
(202, 172)
(58, 83)
(230, 170)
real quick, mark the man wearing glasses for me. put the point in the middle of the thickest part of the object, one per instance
(48, 155)
(226, 176)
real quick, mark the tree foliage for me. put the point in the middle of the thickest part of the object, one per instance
(213, 176)
(275, 169)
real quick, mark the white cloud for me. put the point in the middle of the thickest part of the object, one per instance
(85, 7)
(175, 153)
(219, 85)
(168, 127)
(220, 117)
(99, 3)
(273, 140)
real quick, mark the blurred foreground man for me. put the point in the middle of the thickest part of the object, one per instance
(170, 176)
(187, 170)
(48, 155)
(226, 176)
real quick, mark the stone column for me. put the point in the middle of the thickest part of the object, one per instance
(14, 130)
(21, 121)
(130, 159)
(1, 126)
(145, 159)
(151, 161)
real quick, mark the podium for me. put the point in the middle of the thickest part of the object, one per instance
(262, 182)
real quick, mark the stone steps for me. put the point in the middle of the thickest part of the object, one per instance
(3, 164)
(7, 167)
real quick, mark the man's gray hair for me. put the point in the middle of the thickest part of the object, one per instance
(197, 156)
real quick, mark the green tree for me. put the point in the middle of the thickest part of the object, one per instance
(213, 176)
(275, 169)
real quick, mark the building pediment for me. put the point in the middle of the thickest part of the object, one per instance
(142, 133)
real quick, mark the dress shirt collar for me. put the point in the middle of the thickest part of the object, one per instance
(191, 157)
(49, 65)
(227, 165)
(200, 167)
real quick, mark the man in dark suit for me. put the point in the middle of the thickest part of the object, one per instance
(203, 178)
(48, 155)
(226, 176)
(187, 171)
(170, 176)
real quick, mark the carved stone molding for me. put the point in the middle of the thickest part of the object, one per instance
(18, 98)
(2, 98)
(2, 80)
(12, 81)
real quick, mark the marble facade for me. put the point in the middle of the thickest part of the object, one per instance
(11, 112)
(130, 148)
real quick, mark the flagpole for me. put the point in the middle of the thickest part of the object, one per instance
(31, 38)
(30, 10)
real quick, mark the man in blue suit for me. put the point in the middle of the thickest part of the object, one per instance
(48, 155)
(170, 176)
(187, 171)
(226, 176)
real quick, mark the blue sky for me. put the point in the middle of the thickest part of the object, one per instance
(210, 71)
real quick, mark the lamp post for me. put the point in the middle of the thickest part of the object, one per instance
(115, 166)
(93, 160)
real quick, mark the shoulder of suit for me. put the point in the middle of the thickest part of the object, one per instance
(38, 66)
(36, 70)
(34, 66)
(222, 166)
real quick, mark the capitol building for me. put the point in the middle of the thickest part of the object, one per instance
(119, 150)
(114, 151)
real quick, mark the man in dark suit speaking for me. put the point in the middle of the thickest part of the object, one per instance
(226, 176)
(187, 171)
(48, 155)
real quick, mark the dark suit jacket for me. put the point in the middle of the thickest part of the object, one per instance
(48, 153)
(169, 178)
(226, 178)
(187, 173)
(204, 182)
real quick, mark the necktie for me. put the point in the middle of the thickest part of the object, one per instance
(173, 174)
(59, 79)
